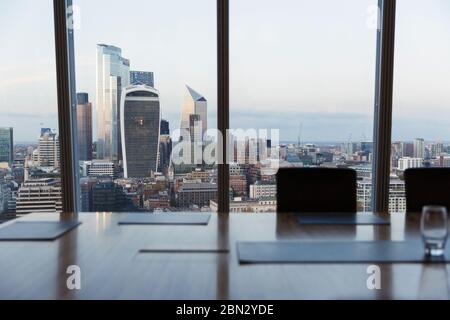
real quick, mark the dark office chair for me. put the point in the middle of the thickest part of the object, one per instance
(427, 186)
(314, 190)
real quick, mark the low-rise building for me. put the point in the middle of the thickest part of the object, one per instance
(98, 168)
(397, 198)
(39, 195)
(263, 190)
(239, 205)
(196, 194)
(407, 162)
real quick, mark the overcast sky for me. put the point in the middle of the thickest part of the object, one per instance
(292, 62)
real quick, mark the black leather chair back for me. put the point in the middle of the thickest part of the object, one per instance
(316, 190)
(427, 186)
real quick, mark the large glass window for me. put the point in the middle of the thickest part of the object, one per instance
(304, 71)
(146, 104)
(301, 94)
(29, 142)
(421, 106)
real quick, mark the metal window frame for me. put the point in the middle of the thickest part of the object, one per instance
(65, 63)
(223, 103)
(67, 118)
(384, 85)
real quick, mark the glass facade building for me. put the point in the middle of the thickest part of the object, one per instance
(6, 145)
(194, 103)
(84, 127)
(140, 125)
(142, 77)
(113, 74)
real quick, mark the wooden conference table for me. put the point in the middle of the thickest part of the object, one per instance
(114, 267)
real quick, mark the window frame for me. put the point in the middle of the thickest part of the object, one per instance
(67, 118)
(384, 87)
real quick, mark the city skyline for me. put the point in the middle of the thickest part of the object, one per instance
(32, 182)
(328, 179)
(34, 67)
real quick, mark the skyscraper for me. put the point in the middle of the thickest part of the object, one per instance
(113, 74)
(194, 104)
(407, 149)
(165, 146)
(142, 77)
(140, 127)
(165, 151)
(84, 126)
(6, 145)
(48, 149)
(419, 148)
(195, 128)
(164, 127)
(436, 149)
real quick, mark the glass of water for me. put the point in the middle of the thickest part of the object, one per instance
(434, 229)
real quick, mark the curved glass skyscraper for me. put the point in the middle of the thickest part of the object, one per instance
(140, 119)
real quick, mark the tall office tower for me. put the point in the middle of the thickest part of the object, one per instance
(165, 151)
(195, 128)
(247, 150)
(194, 103)
(262, 151)
(140, 127)
(195, 138)
(407, 149)
(436, 149)
(439, 148)
(6, 145)
(142, 77)
(48, 149)
(84, 126)
(419, 148)
(113, 74)
(164, 127)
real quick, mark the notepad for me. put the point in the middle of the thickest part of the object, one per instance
(335, 252)
(36, 230)
(166, 219)
(340, 219)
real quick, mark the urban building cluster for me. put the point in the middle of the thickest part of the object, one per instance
(129, 165)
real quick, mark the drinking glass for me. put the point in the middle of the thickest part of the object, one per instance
(434, 229)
